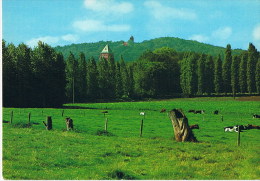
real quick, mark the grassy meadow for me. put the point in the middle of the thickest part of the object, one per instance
(32, 152)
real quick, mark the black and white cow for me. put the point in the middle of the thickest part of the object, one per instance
(256, 116)
(228, 128)
(235, 128)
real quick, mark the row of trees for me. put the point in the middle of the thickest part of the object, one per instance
(90, 80)
(203, 74)
(40, 77)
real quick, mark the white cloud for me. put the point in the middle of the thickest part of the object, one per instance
(161, 12)
(222, 33)
(89, 25)
(46, 39)
(70, 38)
(109, 6)
(256, 33)
(52, 40)
(199, 38)
(103, 15)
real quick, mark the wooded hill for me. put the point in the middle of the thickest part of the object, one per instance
(132, 50)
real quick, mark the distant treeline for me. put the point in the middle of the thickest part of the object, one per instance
(41, 77)
(131, 50)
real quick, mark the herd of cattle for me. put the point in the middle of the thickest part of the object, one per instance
(235, 128)
(240, 128)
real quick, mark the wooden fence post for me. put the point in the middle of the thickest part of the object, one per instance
(69, 124)
(29, 117)
(106, 120)
(62, 113)
(12, 115)
(48, 125)
(141, 128)
(238, 137)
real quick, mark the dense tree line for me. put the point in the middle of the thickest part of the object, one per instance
(235, 74)
(32, 77)
(41, 77)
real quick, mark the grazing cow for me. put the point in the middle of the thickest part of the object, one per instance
(256, 116)
(191, 110)
(163, 110)
(199, 112)
(250, 126)
(235, 128)
(241, 127)
(194, 126)
(229, 128)
(216, 112)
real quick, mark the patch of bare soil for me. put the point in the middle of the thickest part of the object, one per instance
(249, 98)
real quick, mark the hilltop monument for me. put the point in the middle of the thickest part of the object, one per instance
(106, 52)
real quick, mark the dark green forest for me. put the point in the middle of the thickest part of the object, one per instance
(131, 50)
(46, 77)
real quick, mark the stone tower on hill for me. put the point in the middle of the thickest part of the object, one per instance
(106, 52)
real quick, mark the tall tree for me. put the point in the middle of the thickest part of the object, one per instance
(201, 74)
(44, 65)
(9, 58)
(209, 74)
(111, 77)
(143, 86)
(92, 79)
(218, 75)
(226, 76)
(234, 75)
(118, 78)
(24, 74)
(130, 80)
(59, 78)
(257, 76)
(184, 75)
(242, 74)
(251, 64)
(125, 77)
(82, 71)
(72, 78)
(170, 76)
(189, 80)
(103, 78)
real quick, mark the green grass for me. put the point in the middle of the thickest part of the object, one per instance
(32, 152)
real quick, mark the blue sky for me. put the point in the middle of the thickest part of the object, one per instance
(63, 22)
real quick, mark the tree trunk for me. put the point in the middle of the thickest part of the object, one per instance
(181, 126)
